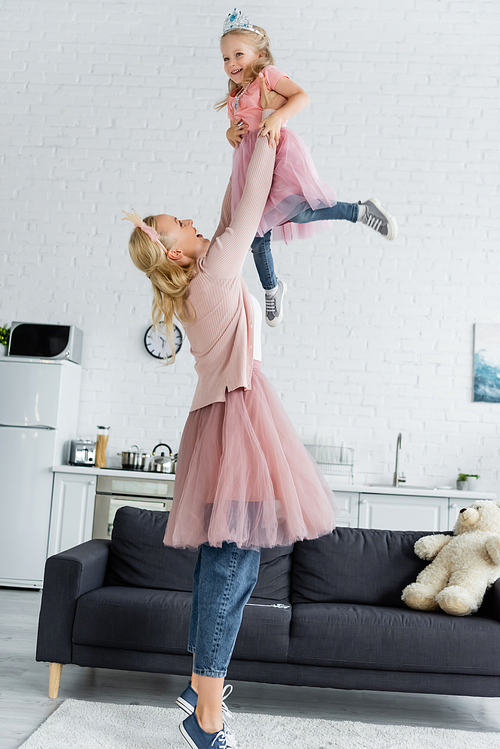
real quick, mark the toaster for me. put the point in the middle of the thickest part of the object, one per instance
(82, 453)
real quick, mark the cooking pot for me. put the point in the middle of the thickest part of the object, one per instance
(163, 463)
(134, 459)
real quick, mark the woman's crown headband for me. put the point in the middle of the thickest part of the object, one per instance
(137, 221)
(236, 20)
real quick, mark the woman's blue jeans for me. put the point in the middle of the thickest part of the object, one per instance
(261, 246)
(222, 584)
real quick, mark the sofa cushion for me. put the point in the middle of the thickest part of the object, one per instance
(157, 621)
(393, 639)
(138, 558)
(275, 570)
(355, 565)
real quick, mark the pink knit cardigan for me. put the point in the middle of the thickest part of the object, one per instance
(221, 336)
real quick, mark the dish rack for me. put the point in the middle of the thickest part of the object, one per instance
(333, 461)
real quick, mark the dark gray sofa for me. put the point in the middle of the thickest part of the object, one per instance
(324, 613)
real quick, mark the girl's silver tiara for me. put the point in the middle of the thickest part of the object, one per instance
(236, 20)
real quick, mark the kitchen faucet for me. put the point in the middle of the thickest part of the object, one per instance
(398, 480)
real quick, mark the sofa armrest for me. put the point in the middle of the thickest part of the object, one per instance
(68, 576)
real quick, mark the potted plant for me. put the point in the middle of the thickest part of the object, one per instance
(462, 480)
(4, 340)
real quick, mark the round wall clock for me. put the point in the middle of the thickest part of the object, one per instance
(156, 342)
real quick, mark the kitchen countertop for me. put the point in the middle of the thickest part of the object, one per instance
(409, 491)
(339, 486)
(93, 470)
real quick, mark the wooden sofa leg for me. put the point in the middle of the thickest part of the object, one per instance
(54, 679)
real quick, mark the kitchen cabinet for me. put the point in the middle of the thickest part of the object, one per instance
(72, 511)
(347, 508)
(401, 508)
(403, 513)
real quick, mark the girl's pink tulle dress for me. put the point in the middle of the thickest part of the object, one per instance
(244, 476)
(296, 185)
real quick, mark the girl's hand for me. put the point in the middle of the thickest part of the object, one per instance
(236, 131)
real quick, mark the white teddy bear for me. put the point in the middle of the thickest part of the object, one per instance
(464, 565)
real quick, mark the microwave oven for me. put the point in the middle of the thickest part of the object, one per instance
(42, 341)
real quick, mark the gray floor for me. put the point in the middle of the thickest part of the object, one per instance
(24, 703)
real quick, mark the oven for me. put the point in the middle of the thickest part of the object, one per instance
(113, 492)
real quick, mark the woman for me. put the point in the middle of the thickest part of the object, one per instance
(244, 481)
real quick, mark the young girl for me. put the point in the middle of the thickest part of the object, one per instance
(297, 195)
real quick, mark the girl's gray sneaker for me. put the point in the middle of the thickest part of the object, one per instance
(378, 218)
(274, 305)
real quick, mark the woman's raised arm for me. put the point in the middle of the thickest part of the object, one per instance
(225, 214)
(229, 250)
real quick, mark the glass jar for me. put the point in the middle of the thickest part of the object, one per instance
(101, 444)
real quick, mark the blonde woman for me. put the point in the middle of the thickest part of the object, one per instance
(244, 481)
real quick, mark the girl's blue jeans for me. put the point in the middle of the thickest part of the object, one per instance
(222, 584)
(261, 246)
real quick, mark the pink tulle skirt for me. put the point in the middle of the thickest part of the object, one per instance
(244, 476)
(295, 187)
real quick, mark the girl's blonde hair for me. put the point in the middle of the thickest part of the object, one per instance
(261, 45)
(170, 281)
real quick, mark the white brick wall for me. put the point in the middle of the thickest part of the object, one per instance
(108, 106)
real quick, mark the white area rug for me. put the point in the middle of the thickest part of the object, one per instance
(97, 725)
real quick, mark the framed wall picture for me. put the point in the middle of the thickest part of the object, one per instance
(487, 363)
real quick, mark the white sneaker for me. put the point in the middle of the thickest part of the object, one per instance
(378, 218)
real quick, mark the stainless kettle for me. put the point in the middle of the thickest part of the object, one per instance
(163, 463)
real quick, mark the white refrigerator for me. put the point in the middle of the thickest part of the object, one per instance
(39, 400)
